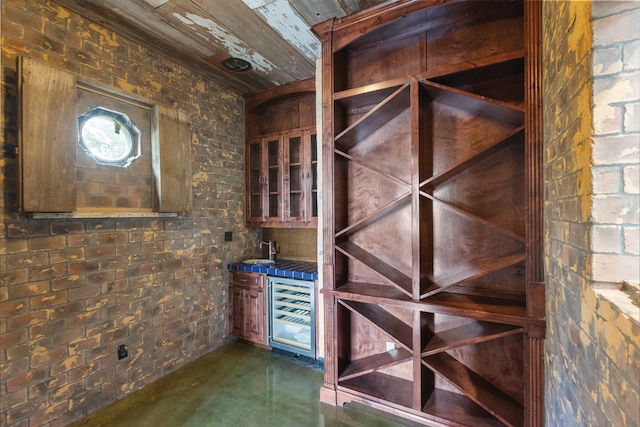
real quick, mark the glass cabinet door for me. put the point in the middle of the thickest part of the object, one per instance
(255, 179)
(264, 178)
(295, 180)
(282, 179)
(313, 200)
(274, 179)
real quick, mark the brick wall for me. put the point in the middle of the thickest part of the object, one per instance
(616, 155)
(592, 348)
(71, 291)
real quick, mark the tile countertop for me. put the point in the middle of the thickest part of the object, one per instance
(305, 270)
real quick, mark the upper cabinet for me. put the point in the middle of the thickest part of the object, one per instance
(433, 276)
(281, 157)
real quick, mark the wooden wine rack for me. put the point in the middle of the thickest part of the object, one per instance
(431, 174)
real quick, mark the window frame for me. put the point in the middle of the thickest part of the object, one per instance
(125, 125)
(47, 146)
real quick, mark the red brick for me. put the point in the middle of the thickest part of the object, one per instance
(47, 273)
(67, 227)
(67, 282)
(27, 319)
(139, 192)
(27, 260)
(80, 240)
(15, 276)
(113, 190)
(85, 187)
(98, 378)
(172, 265)
(99, 302)
(63, 366)
(82, 372)
(83, 267)
(17, 353)
(50, 300)
(85, 318)
(101, 202)
(83, 344)
(12, 338)
(43, 417)
(14, 415)
(28, 289)
(99, 251)
(140, 236)
(128, 180)
(10, 246)
(14, 399)
(126, 249)
(66, 255)
(114, 262)
(102, 225)
(46, 329)
(41, 389)
(84, 292)
(140, 258)
(100, 277)
(64, 311)
(110, 238)
(12, 308)
(25, 380)
(65, 336)
(100, 352)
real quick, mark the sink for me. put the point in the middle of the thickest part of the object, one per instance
(258, 261)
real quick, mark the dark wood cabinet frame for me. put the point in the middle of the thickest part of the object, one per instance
(281, 160)
(432, 210)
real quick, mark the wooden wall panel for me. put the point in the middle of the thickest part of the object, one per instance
(47, 138)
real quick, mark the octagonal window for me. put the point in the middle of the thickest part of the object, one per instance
(109, 137)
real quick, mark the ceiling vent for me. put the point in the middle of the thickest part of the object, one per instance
(236, 64)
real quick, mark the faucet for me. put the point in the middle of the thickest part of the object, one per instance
(272, 249)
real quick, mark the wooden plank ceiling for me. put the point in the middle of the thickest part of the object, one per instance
(273, 35)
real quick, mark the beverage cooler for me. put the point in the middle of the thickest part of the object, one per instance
(292, 315)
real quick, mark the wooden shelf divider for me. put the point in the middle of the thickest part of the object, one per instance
(399, 279)
(471, 333)
(398, 202)
(493, 400)
(374, 119)
(374, 362)
(385, 321)
(480, 269)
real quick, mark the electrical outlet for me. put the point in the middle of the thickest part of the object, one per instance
(228, 236)
(123, 351)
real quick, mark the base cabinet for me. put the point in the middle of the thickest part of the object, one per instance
(247, 302)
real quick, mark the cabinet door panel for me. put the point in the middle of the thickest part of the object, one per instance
(313, 178)
(295, 178)
(254, 306)
(274, 178)
(255, 180)
(236, 310)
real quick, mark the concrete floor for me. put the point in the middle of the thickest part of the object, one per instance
(237, 385)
